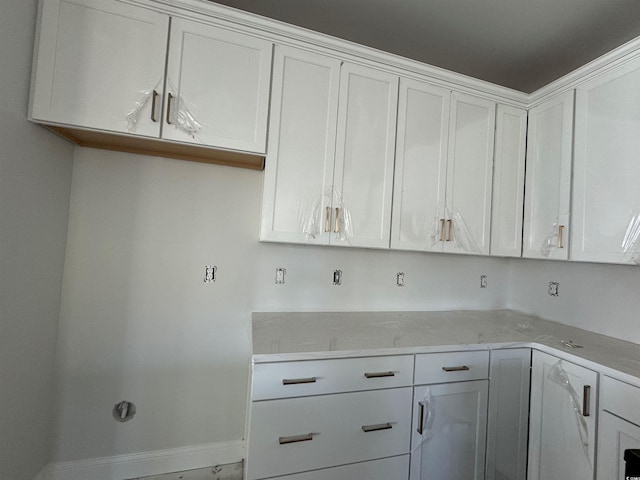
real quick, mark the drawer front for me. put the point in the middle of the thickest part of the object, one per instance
(451, 367)
(385, 469)
(299, 434)
(314, 377)
(621, 399)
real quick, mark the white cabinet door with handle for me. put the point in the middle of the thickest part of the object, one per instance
(100, 65)
(562, 420)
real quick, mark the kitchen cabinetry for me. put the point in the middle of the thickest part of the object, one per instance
(322, 414)
(548, 179)
(606, 197)
(619, 426)
(100, 65)
(444, 168)
(449, 435)
(508, 181)
(508, 424)
(562, 419)
(329, 173)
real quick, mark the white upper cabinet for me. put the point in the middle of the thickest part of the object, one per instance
(469, 174)
(421, 165)
(298, 177)
(329, 171)
(606, 197)
(444, 167)
(548, 179)
(365, 150)
(508, 181)
(98, 64)
(217, 87)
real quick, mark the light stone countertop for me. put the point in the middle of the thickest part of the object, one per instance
(315, 335)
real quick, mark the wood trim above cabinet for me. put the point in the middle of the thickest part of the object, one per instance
(159, 148)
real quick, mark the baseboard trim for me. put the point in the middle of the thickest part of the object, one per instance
(157, 462)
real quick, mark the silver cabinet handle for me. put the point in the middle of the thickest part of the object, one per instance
(421, 406)
(296, 381)
(154, 98)
(376, 428)
(327, 219)
(461, 368)
(442, 220)
(169, 99)
(295, 439)
(379, 374)
(586, 400)
(560, 230)
(449, 232)
(337, 225)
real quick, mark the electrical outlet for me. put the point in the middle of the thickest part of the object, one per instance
(554, 289)
(400, 279)
(210, 273)
(337, 277)
(280, 272)
(483, 281)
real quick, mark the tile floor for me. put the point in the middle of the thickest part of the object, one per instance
(231, 471)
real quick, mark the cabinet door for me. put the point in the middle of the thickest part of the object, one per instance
(548, 179)
(299, 168)
(449, 431)
(421, 166)
(562, 420)
(606, 198)
(508, 182)
(98, 64)
(614, 437)
(364, 155)
(470, 174)
(219, 86)
(508, 426)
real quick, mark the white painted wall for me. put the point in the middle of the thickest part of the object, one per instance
(35, 177)
(601, 298)
(138, 323)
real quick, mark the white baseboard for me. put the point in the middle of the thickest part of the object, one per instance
(123, 467)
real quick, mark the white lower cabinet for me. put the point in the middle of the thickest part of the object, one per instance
(508, 423)
(449, 432)
(394, 468)
(619, 427)
(562, 420)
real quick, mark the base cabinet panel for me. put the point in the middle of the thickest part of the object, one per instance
(616, 435)
(562, 420)
(449, 431)
(394, 468)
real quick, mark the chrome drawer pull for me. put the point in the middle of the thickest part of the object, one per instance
(586, 400)
(380, 374)
(375, 428)
(296, 381)
(421, 419)
(461, 368)
(295, 439)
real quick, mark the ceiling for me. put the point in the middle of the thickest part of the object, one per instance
(522, 44)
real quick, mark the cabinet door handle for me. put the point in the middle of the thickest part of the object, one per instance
(295, 439)
(560, 231)
(169, 99)
(450, 230)
(154, 98)
(376, 428)
(586, 400)
(336, 229)
(327, 219)
(379, 374)
(420, 428)
(297, 381)
(442, 229)
(461, 368)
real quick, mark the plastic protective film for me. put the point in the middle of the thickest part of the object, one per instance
(319, 219)
(630, 245)
(134, 114)
(452, 228)
(182, 116)
(552, 241)
(559, 376)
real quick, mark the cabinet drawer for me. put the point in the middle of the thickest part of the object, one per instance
(384, 469)
(451, 367)
(621, 399)
(299, 434)
(313, 377)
